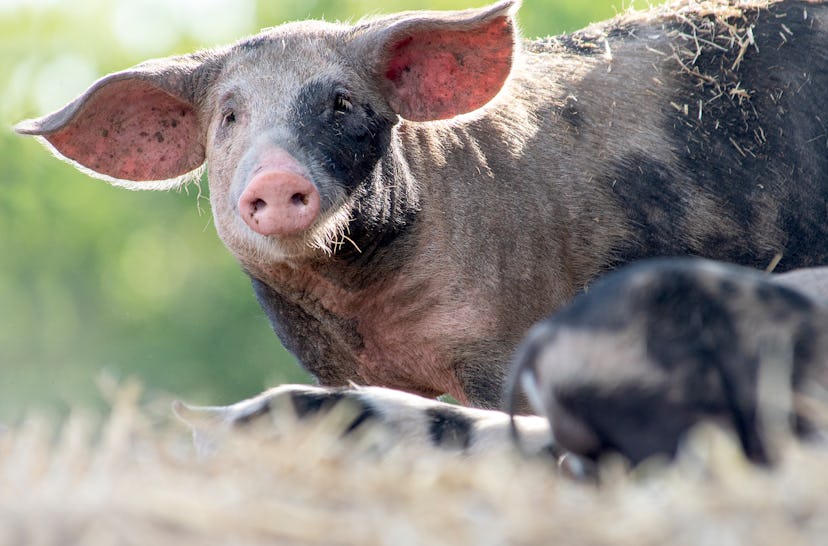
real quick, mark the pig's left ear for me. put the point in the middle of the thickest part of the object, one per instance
(437, 65)
(138, 128)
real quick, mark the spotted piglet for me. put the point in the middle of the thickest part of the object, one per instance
(653, 349)
(389, 417)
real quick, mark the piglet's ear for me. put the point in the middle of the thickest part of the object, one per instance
(136, 125)
(437, 65)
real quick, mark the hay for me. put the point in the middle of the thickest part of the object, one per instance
(704, 42)
(136, 481)
(708, 42)
(724, 27)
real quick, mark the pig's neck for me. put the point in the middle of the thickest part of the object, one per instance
(387, 330)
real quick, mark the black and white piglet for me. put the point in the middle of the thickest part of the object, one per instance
(398, 418)
(653, 349)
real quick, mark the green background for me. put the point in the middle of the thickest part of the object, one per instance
(98, 280)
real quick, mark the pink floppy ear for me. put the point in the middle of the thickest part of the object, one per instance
(439, 65)
(135, 125)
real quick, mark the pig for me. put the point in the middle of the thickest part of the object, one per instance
(410, 193)
(811, 280)
(659, 346)
(398, 418)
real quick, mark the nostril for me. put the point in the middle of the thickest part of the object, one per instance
(299, 199)
(258, 205)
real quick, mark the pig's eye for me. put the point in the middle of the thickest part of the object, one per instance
(228, 118)
(342, 104)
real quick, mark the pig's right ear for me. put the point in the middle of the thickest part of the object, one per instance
(137, 128)
(437, 65)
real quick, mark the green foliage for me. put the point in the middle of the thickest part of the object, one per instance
(96, 278)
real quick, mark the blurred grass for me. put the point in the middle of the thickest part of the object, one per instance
(93, 278)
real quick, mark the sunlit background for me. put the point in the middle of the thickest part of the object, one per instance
(96, 280)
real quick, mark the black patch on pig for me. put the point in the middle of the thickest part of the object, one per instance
(762, 156)
(383, 228)
(366, 414)
(781, 301)
(655, 203)
(728, 288)
(449, 428)
(310, 404)
(739, 376)
(631, 420)
(352, 146)
(686, 325)
(805, 358)
(347, 144)
(641, 422)
(805, 350)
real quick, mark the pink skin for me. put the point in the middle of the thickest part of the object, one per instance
(438, 75)
(405, 344)
(128, 129)
(279, 199)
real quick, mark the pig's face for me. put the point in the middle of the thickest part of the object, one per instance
(292, 146)
(296, 123)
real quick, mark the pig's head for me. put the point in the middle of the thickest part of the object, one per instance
(295, 123)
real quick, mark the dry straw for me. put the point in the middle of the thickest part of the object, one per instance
(136, 480)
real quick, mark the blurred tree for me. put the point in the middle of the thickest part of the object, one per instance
(95, 278)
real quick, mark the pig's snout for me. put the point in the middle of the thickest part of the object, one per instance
(279, 203)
